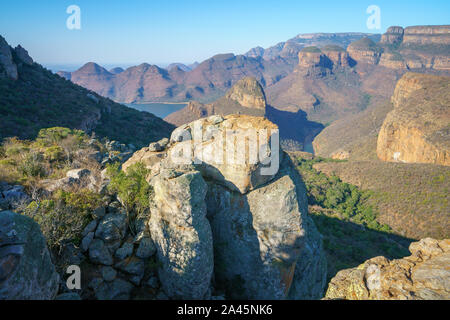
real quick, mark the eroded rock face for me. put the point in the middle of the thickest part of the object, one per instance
(423, 35)
(364, 50)
(26, 269)
(6, 60)
(337, 55)
(417, 130)
(23, 55)
(265, 244)
(182, 234)
(264, 241)
(248, 93)
(393, 35)
(422, 276)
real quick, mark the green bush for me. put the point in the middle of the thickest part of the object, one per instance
(51, 136)
(332, 193)
(132, 189)
(63, 217)
(32, 165)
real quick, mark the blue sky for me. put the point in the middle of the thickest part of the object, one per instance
(135, 31)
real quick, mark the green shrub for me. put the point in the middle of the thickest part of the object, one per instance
(132, 189)
(50, 136)
(332, 193)
(31, 165)
(63, 217)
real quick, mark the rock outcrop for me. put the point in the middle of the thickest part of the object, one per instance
(248, 93)
(417, 130)
(182, 234)
(265, 245)
(365, 51)
(245, 97)
(26, 268)
(6, 60)
(425, 35)
(425, 275)
(393, 35)
(23, 55)
(338, 56)
(312, 62)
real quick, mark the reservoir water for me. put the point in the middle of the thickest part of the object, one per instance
(160, 110)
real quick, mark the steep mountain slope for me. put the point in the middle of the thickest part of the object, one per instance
(38, 99)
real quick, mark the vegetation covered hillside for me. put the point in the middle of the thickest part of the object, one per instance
(413, 199)
(346, 218)
(39, 99)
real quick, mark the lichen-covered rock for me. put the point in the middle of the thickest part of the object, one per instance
(111, 229)
(99, 253)
(263, 237)
(208, 143)
(118, 289)
(26, 269)
(182, 234)
(417, 130)
(12, 196)
(425, 275)
(265, 244)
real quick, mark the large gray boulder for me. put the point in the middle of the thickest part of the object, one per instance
(182, 234)
(265, 244)
(26, 269)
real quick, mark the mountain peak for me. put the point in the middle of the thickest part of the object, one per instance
(92, 68)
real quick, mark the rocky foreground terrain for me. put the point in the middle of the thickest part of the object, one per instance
(214, 229)
(425, 275)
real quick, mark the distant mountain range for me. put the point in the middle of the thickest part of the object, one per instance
(327, 75)
(204, 81)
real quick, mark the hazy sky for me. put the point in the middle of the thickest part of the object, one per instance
(136, 31)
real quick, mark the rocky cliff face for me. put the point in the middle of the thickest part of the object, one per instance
(424, 275)
(423, 35)
(6, 60)
(364, 51)
(393, 35)
(248, 93)
(417, 130)
(245, 97)
(238, 223)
